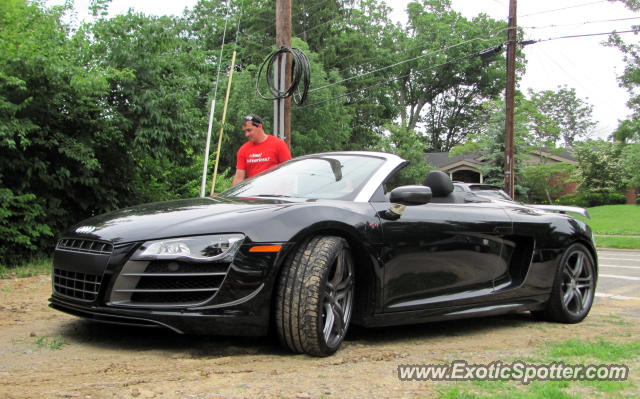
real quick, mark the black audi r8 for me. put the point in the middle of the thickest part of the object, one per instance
(319, 243)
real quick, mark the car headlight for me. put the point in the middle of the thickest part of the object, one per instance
(194, 249)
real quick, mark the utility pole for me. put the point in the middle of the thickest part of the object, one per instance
(282, 107)
(509, 174)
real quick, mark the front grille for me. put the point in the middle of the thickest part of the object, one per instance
(84, 245)
(76, 285)
(168, 283)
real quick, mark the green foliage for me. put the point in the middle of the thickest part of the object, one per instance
(628, 131)
(489, 141)
(601, 167)
(589, 199)
(631, 154)
(545, 182)
(22, 225)
(630, 79)
(560, 115)
(406, 144)
(447, 96)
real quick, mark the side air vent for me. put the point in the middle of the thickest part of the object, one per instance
(167, 283)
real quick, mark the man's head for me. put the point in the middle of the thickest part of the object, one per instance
(252, 128)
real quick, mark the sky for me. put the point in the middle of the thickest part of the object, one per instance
(580, 63)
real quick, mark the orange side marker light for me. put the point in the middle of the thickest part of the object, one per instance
(266, 248)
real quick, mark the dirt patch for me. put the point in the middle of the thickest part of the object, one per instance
(48, 354)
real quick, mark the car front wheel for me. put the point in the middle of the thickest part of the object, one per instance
(315, 296)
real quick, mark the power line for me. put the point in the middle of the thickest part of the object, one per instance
(319, 25)
(398, 77)
(492, 35)
(297, 15)
(584, 35)
(403, 62)
(563, 8)
(579, 23)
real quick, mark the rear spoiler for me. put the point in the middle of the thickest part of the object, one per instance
(563, 209)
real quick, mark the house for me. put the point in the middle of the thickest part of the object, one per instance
(467, 167)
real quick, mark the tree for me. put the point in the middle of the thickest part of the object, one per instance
(630, 79)
(560, 115)
(601, 167)
(628, 131)
(458, 66)
(155, 111)
(406, 144)
(489, 141)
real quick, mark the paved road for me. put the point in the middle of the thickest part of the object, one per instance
(619, 274)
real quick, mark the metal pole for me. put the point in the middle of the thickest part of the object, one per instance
(206, 150)
(283, 38)
(224, 116)
(509, 170)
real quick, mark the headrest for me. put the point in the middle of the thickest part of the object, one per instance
(439, 182)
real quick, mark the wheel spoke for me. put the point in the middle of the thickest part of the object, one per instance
(579, 301)
(577, 271)
(343, 288)
(583, 286)
(337, 276)
(339, 319)
(329, 321)
(568, 296)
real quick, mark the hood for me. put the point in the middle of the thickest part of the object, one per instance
(178, 218)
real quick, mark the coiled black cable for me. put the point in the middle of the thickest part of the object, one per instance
(300, 76)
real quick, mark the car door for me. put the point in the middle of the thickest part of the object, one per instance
(438, 254)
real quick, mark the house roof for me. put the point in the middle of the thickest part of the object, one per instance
(442, 159)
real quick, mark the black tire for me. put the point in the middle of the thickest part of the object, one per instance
(574, 287)
(315, 297)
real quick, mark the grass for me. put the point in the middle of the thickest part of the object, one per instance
(600, 349)
(615, 226)
(34, 267)
(51, 343)
(615, 220)
(618, 242)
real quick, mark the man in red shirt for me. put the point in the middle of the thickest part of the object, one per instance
(260, 152)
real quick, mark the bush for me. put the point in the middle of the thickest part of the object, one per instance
(21, 226)
(588, 200)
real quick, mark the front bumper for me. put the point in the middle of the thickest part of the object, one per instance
(239, 305)
(223, 322)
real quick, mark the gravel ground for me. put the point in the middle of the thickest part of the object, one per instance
(48, 354)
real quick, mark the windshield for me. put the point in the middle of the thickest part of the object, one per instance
(322, 176)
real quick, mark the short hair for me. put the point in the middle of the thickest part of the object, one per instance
(254, 119)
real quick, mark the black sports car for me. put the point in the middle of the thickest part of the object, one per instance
(319, 243)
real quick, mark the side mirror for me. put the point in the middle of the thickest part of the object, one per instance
(402, 196)
(411, 195)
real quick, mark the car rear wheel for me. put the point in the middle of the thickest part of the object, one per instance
(315, 297)
(573, 288)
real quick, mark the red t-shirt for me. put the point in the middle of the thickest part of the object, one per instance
(256, 158)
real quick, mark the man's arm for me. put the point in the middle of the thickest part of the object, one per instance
(283, 152)
(239, 176)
